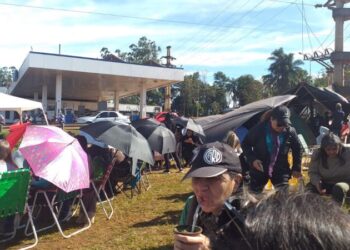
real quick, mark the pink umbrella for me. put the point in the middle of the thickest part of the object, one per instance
(56, 157)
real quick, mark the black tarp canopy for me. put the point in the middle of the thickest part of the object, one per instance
(248, 115)
(307, 95)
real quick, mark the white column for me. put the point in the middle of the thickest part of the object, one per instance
(143, 101)
(58, 92)
(36, 96)
(116, 100)
(44, 97)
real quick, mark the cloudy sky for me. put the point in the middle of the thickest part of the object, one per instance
(233, 36)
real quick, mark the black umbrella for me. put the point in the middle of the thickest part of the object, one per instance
(217, 129)
(160, 138)
(143, 122)
(189, 123)
(121, 136)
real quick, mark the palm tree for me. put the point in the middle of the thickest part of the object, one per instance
(285, 72)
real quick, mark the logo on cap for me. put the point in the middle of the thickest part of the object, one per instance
(212, 156)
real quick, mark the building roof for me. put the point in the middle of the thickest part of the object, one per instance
(88, 79)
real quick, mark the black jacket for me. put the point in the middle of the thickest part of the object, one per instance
(255, 148)
(225, 231)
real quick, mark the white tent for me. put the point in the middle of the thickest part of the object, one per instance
(13, 103)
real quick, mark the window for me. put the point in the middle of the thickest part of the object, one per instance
(103, 115)
(113, 114)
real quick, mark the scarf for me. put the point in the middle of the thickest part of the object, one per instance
(274, 142)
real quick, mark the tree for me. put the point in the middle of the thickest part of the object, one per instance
(142, 52)
(187, 102)
(321, 80)
(285, 72)
(155, 97)
(227, 83)
(134, 99)
(220, 79)
(249, 89)
(6, 75)
(197, 98)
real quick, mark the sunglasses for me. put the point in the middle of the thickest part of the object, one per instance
(282, 125)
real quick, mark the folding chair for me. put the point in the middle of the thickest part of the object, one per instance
(99, 185)
(55, 205)
(14, 186)
(144, 181)
(137, 181)
(307, 154)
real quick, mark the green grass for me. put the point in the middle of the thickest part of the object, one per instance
(143, 222)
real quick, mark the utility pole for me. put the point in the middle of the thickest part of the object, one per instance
(338, 57)
(322, 58)
(167, 97)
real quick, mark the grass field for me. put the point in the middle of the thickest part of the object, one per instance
(144, 222)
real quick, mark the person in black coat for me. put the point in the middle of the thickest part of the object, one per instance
(266, 149)
(338, 118)
(189, 142)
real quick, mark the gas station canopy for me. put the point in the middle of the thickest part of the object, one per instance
(88, 79)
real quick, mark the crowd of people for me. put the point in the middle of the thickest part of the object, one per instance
(232, 216)
(229, 204)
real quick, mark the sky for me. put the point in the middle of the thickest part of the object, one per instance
(206, 36)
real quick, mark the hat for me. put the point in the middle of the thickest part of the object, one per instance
(213, 159)
(282, 115)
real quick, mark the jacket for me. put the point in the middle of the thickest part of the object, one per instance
(223, 231)
(336, 172)
(255, 147)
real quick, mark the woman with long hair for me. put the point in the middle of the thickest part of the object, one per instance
(329, 170)
(233, 140)
(266, 148)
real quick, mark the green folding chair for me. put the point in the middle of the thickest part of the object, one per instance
(14, 187)
(99, 184)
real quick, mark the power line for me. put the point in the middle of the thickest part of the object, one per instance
(225, 8)
(210, 34)
(329, 35)
(212, 39)
(302, 28)
(114, 15)
(308, 26)
(256, 28)
(296, 3)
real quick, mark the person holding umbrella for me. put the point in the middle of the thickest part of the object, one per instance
(189, 142)
(89, 196)
(170, 125)
(161, 139)
(266, 149)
